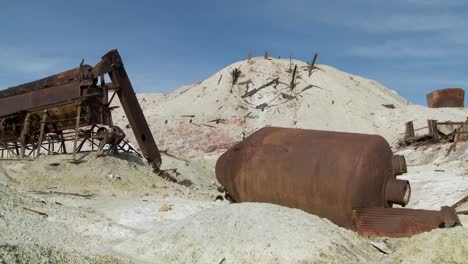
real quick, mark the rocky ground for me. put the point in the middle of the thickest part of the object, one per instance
(116, 210)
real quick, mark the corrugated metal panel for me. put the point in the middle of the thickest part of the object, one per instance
(400, 222)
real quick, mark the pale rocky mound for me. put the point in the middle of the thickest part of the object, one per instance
(214, 113)
(437, 246)
(93, 175)
(198, 122)
(250, 233)
(31, 232)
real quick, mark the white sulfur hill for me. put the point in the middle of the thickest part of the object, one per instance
(214, 114)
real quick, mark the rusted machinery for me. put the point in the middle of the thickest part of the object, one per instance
(339, 176)
(450, 97)
(437, 132)
(73, 106)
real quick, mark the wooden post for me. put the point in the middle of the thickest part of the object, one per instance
(41, 135)
(23, 134)
(293, 80)
(62, 148)
(433, 131)
(2, 129)
(266, 55)
(409, 131)
(312, 64)
(249, 56)
(77, 126)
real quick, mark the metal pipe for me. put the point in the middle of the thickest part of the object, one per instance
(397, 192)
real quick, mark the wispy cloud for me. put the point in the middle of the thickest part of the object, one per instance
(19, 60)
(404, 49)
(401, 23)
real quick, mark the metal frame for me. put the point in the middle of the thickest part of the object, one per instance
(69, 102)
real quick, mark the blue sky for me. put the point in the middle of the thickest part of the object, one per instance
(411, 46)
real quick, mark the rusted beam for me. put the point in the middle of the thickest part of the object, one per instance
(132, 108)
(59, 79)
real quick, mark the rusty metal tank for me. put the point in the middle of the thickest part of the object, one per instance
(321, 172)
(450, 97)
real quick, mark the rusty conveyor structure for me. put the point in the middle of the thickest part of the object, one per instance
(73, 106)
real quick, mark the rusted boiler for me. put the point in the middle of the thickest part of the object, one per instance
(329, 174)
(449, 97)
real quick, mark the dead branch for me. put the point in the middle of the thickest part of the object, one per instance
(312, 64)
(245, 82)
(218, 120)
(172, 156)
(64, 193)
(37, 212)
(235, 75)
(288, 96)
(262, 106)
(210, 126)
(254, 91)
(293, 79)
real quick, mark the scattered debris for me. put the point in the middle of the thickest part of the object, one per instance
(218, 121)
(312, 64)
(165, 208)
(390, 106)
(235, 75)
(380, 246)
(64, 193)
(287, 96)
(438, 132)
(254, 91)
(293, 79)
(262, 106)
(35, 211)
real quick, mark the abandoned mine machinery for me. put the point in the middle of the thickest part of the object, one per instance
(348, 178)
(69, 109)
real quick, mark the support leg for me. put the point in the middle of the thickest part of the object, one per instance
(77, 125)
(41, 136)
(23, 135)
